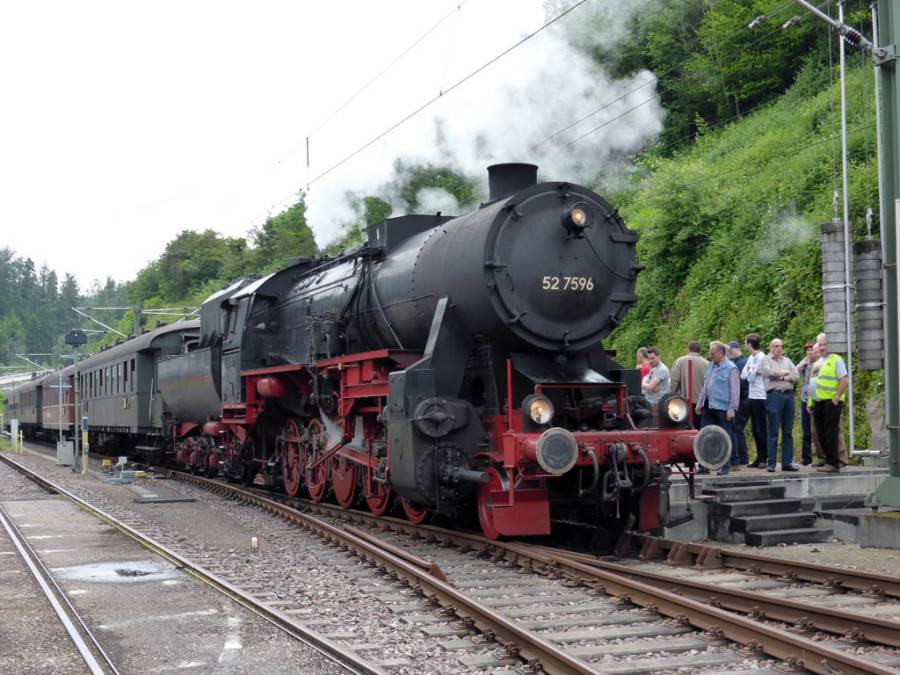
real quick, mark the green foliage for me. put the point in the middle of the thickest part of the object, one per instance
(729, 228)
(710, 65)
(196, 264)
(410, 179)
(369, 211)
(404, 189)
(281, 237)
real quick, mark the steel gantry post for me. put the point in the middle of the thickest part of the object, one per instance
(888, 30)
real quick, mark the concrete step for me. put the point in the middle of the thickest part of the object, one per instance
(745, 494)
(840, 502)
(757, 507)
(770, 522)
(804, 535)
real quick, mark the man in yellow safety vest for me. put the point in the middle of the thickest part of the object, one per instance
(828, 400)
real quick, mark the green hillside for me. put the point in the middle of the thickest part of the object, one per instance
(729, 225)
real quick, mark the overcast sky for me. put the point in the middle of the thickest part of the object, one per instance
(123, 123)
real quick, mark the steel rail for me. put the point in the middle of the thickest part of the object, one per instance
(518, 641)
(831, 620)
(64, 610)
(794, 649)
(713, 556)
(776, 642)
(346, 659)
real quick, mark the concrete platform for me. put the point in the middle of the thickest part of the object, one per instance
(148, 615)
(879, 530)
(813, 490)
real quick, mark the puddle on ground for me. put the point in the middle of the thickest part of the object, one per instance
(119, 572)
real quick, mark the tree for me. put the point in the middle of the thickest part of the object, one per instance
(284, 236)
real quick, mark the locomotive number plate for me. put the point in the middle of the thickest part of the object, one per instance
(551, 283)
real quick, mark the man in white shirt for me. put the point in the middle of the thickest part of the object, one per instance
(656, 384)
(758, 420)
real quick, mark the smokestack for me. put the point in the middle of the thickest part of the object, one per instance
(505, 179)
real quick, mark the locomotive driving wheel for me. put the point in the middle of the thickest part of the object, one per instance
(343, 480)
(213, 459)
(291, 458)
(313, 446)
(413, 513)
(379, 501)
(486, 491)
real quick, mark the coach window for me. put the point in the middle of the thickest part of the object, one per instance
(132, 374)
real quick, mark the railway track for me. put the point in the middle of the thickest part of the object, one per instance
(346, 660)
(577, 613)
(31, 587)
(559, 611)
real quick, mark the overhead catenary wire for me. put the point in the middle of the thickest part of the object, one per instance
(555, 133)
(456, 9)
(656, 78)
(487, 64)
(444, 92)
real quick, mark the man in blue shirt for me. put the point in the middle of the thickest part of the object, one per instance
(720, 398)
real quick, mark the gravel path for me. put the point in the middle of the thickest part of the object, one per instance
(328, 590)
(849, 556)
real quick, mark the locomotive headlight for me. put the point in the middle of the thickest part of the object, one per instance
(578, 217)
(676, 409)
(540, 410)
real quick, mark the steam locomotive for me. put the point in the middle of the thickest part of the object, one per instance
(453, 363)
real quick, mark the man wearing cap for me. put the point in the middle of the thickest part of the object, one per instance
(743, 412)
(687, 375)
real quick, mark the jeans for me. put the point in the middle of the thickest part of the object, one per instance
(759, 423)
(806, 425)
(780, 414)
(718, 417)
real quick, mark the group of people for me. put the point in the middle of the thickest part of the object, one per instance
(730, 389)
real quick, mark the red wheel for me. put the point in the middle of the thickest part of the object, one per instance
(343, 480)
(413, 514)
(486, 502)
(212, 464)
(380, 500)
(291, 461)
(313, 446)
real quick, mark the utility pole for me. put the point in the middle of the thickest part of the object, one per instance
(886, 26)
(848, 235)
(77, 338)
(888, 85)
